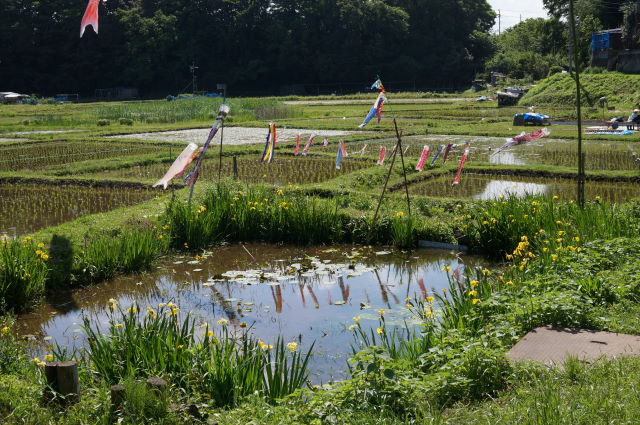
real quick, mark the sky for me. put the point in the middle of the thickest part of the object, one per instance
(511, 10)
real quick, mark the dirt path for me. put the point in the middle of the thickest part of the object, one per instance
(234, 135)
(367, 101)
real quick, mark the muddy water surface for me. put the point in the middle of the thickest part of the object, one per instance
(303, 294)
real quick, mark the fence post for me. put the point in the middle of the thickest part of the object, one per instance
(235, 167)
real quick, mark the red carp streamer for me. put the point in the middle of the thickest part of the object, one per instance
(90, 17)
(343, 149)
(423, 158)
(297, 149)
(523, 138)
(465, 155)
(308, 145)
(383, 153)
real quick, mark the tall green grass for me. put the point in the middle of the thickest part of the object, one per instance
(212, 361)
(243, 213)
(129, 250)
(23, 271)
(497, 228)
(234, 212)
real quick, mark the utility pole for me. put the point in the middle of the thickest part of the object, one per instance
(499, 22)
(194, 84)
(581, 176)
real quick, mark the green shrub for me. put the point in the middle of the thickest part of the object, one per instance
(23, 271)
(130, 250)
(12, 356)
(103, 123)
(125, 121)
(142, 404)
(233, 212)
(594, 70)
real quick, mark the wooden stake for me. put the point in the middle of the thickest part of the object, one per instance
(235, 167)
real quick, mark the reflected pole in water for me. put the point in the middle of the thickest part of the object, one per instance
(423, 288)
(313, 296)
(344, 289)
(226, 306)
(277, 297)
(301, 287)
(581, 158)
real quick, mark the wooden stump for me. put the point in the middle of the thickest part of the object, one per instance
(157, 384)
(117, 396)
(62, 380)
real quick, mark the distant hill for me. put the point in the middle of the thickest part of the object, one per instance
(559, 90)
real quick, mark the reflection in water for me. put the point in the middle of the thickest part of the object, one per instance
(490, 187)
(303, 294)
(497, 188)
(506, 158)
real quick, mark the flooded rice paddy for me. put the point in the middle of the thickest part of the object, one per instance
(35, 156)
(554, 152)
(283, 170)
(302, 294)
(485, 187)
(27, 207)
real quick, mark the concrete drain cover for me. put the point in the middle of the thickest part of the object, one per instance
(551, 345)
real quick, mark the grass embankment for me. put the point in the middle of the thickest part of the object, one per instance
(621, 90)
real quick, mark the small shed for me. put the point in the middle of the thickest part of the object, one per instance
(11, 97)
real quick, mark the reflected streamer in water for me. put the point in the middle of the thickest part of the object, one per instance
(302, 294)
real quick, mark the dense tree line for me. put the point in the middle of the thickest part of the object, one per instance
(536, 47)
(248, 44)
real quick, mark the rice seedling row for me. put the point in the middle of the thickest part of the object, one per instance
(283, 170)
(40, 155)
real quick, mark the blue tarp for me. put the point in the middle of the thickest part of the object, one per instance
(600, 42)
(533, 117)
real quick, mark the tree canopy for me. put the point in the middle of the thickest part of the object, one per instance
(530, 48)
(249, 44)
(608, 12)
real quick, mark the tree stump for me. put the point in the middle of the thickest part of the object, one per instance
(62, 382)
(157, 384)
(117, 396)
